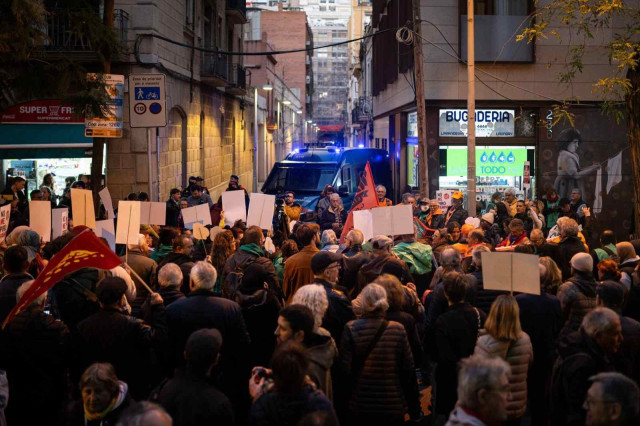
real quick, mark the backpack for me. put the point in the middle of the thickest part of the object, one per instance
(613, 256)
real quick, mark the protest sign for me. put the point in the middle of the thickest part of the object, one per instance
(40, 218)
(200, 214)
(59, 221)
(395, 220)
(260, 210)
(444, 198)
(105, 229)
(365, 198)
(128, 222)
(234, 206)
(214, 231)
(107, 202)
(363, 221)
(200, 232)
(517, 272)
(82, 208)
(152, 213)
(5, 213)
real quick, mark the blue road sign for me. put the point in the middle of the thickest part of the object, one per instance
(147, 93)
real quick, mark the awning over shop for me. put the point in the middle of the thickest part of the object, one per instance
(43, 141)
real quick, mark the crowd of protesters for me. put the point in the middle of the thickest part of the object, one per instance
(293, 327)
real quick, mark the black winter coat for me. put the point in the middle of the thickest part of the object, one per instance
(170, 295)
(202, 309)
(387, 382)
(192, 400)
(8, 289)
(567, 248)
(281, 409)
(125, 342)
(460, 215)
(483, 299)
(541, 319)
(339, 311)
(173, 211)
(627, 358)
(260, 311)
(579, 358)
(351, 263)
(456, 333)
(35, 349)
(328, 219)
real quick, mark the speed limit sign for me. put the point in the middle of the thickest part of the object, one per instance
(140, 108)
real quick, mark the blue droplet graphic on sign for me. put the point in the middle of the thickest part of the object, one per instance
(493, 157)
(511, 158)
(155, 108)
(502, 158)
(484, 158)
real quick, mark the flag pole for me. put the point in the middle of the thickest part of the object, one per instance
(135, 274)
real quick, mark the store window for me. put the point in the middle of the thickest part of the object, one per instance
(34, 170)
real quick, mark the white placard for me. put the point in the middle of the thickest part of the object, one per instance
(82, 208)
(104, 229)
(152, 213)
(5, 214)
(40, 218)
(200, 214)
(214, 231)
(107, 202)
(128, 222)
(444, 198)
(59, 222)
(517, 272)
(234, 206)
(395, 220)
(363, 222)
(260, 210)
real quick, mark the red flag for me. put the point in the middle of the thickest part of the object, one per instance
(84, 251)
(365, 198)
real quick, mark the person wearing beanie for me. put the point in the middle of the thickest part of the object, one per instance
(260, 308)
(112, 335)
(578, 294)
(190, 396)
(326, 270)
(491, 229)
(610, 294)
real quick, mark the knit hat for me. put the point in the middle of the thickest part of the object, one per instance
(110, 290)
(582, 262)
(488, 217)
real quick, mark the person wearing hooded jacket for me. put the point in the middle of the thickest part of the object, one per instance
(578, 294)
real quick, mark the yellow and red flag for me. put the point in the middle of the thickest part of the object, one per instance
(364, 199)
(84, 251)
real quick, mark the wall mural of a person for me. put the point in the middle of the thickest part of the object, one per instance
(570, 174)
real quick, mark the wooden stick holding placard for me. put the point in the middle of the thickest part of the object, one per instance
(135, 275)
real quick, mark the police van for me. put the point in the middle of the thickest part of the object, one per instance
(308, 170)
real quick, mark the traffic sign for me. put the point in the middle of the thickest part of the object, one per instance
(109, 126)
(147, 100)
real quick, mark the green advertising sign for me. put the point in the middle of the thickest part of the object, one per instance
(489, 162)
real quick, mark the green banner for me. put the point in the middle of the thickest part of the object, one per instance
(489, 162)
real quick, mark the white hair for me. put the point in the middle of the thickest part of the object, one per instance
(142, 242)
(313, 296)
(203, 276)
(476, 254)
(381, 186)
(598, 320)
(170, 275)
(373, 298)
(476, 373)
(328, 237)
(23, 289)
(510, 191)
(335, 195)
(450, 258)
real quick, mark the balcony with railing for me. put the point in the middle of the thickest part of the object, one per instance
(238, 81)
(66, 35)
(236, 11)
(215, 69)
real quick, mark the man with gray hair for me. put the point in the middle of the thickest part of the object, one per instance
(203, 309)
(169, 282)
(381, 193)
(612, 399)
(570, 244)
(510, 201)
(483, 392)
(582, 355)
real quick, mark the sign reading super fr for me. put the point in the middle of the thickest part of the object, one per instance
(147, 105)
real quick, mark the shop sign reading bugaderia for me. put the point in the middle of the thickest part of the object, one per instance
(496, 161)
(490, 123)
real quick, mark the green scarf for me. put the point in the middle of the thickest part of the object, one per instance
(252, 248)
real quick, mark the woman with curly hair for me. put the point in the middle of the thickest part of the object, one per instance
(608, 270)
(224, 245)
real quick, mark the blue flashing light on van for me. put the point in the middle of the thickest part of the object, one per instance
(308, 170)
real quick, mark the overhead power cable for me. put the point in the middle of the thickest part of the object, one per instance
(274, 52)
